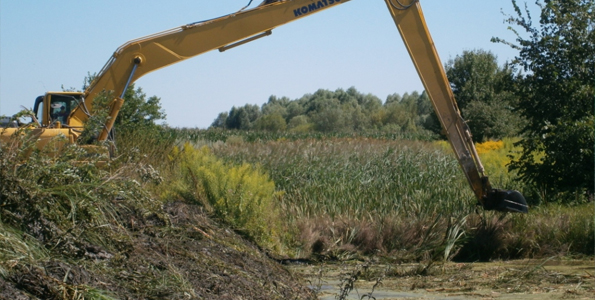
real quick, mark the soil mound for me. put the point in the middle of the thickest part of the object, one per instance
(193, 257)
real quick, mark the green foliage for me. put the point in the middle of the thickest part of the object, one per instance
(59, 197)
(277, 106)
(242, 196)
(16, 248)
(138, 111)
(271, 122)
(484, 93)
(340, 111)
(564, 229)
(97, 119)
(242, 117)
(299, 123)
(220, 121)
(557, 93)
(356, 177)
(405, 199)
(304, 131)
(357, 194)
(491, 121)
(328, 120)
(549, 230)
(402, 114)
(77, 227)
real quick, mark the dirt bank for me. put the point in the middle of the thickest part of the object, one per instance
(191, 258)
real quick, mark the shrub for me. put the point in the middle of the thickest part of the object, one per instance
(242, 196)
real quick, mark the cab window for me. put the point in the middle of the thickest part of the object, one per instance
(61, 106)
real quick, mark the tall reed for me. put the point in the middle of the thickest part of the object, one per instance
(408, 199)
(357, 190)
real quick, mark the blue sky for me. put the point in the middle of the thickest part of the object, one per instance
(47, 45)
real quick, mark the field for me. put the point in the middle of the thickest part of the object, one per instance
(199, 214)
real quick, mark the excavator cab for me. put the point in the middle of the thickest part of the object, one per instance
(55, 107)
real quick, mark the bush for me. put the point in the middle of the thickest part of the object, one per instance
(556, 57)
(242, 196)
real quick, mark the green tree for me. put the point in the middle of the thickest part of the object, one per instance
(242, 117)
(294, 109)
(484, 93)
(138, 110)
(424, 105)
(345, 111)
(397, 113)
(392, 98)
(329, 120)
(557, 92)
(300, 123)
(275, 106)
(401, 113)
(221, 120)
(426, 116)
(271, 122)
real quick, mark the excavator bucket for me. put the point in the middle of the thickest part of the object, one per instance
(505, 200)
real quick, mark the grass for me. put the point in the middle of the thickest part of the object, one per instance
(17, 247)
(63, 206)
(358, 195)
(355, 177)
(195, 135)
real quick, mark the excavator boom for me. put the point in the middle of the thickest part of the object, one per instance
(162, 49)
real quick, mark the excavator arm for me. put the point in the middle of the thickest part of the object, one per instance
(141, 56)
(411, 24)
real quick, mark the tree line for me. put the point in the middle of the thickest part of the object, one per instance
(331, 111)
(484, 91)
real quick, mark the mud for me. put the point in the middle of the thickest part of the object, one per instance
(520, 279)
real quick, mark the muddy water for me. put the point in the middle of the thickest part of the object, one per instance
(526, 279)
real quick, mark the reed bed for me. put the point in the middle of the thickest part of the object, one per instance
(218, 134)
(359, 178)
(404, 199)
(366, 195)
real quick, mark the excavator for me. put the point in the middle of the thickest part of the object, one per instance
(66, 113)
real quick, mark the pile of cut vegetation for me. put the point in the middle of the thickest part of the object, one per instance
(72, 230)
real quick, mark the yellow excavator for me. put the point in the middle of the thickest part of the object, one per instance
(65, 113)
